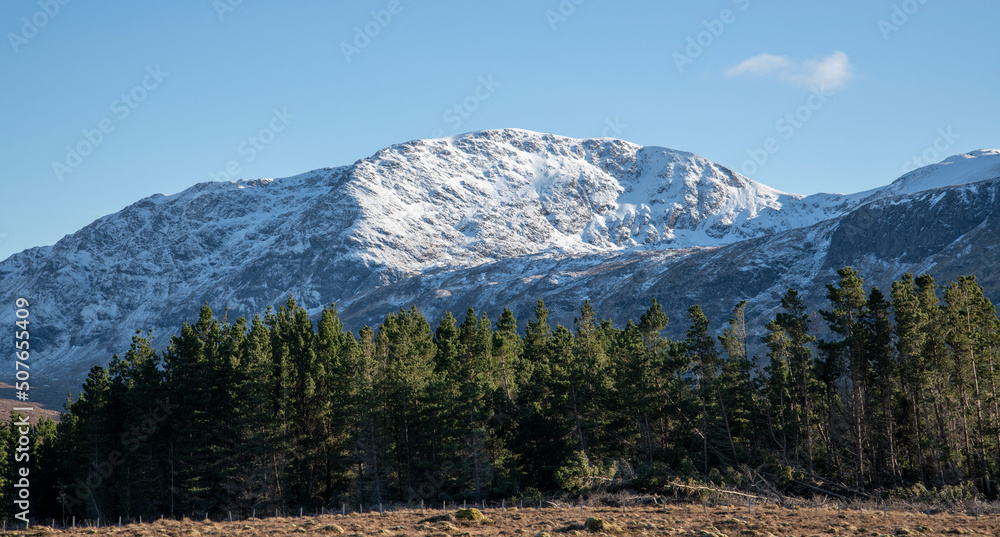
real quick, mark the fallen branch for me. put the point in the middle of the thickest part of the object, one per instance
(723, 491)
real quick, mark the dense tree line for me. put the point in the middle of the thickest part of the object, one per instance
(282, 411)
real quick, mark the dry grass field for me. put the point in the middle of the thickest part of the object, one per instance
(552, 522)
(8, 404)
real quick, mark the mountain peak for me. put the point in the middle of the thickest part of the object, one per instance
(971, 167)
(475, 197)
(972, 154)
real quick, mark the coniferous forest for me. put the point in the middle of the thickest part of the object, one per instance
(875, 393)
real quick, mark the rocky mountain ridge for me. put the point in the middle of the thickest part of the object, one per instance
(490, 219)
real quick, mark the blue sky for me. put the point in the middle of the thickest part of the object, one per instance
(153, 97)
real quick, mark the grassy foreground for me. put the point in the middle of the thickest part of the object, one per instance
(672, 520)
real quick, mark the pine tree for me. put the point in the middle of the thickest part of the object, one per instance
(970, 321)
(476, 380)
(254, 481)
(781, 409)
(794, 321)
(544, 436)
(507, 354)
(446, 339)
(909, 337)
(406, 342)
(849, 303)
(335, 351)
(136, 387)
(736, 388)
(192, 364)
(537, 335)
(884, 382)
(96, 428)
(674, 401)
(591, 381)
(370, 442)
(648, 377)
(44, 468)
(943, 393)
(704, 359)
(309, 401)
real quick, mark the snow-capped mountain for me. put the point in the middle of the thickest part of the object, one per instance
(491, 219)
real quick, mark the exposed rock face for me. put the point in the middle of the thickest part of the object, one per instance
(490, 219)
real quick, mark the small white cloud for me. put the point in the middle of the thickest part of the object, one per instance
(761, 65)
(828, 74)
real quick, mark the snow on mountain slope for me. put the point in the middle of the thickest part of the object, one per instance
(947, 231)
(486, 195)
(493, 194)
(427, 220)
(970, 167)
